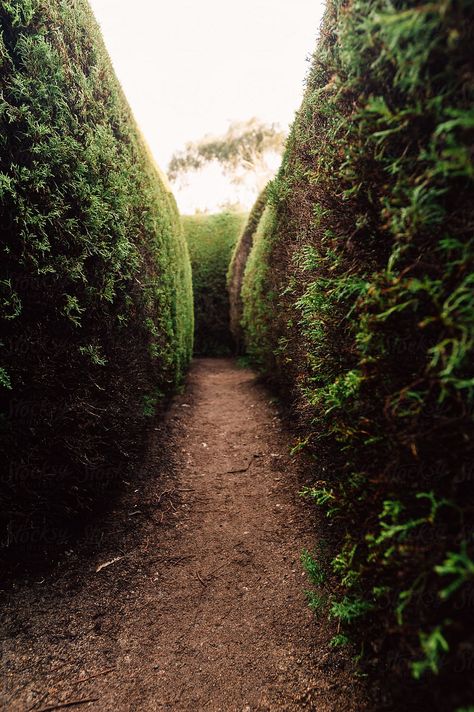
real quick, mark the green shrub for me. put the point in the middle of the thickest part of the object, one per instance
(96, 301)
(211, 240)
(256, 300)
(236, 271)
(369, 331)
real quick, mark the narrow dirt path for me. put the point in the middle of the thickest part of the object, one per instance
(205, 609)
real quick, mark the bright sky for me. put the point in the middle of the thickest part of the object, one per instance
(190, 67)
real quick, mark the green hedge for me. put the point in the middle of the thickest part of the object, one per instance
(236, 271)
(96, 301)
(258, 301)
(359, 304)
(211, 240)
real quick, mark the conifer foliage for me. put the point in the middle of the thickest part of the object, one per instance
(358, 302)
(236, 271)
(96, 301)
(211, 240)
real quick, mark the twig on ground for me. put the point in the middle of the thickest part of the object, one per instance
(60, 667)
(109, 563)
(226, 563)
(168, 492)
(213, 573)
(172, 506)
(92, 677)
(198, 576)
(72, 703)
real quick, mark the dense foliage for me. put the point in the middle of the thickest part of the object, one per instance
(359, 304)
(236, 271)
(211, 240)
(96, 301)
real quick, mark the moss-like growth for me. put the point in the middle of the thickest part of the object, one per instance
(370, 330)
(236, 271)
(96, 301)
(211, 240)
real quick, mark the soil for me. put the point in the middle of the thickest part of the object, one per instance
(203, 607)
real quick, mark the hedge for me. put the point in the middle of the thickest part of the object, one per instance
(236, 271)
(96, 301)
(366, 251)
(211, 240)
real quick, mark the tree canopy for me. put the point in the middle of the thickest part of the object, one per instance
(245, 149)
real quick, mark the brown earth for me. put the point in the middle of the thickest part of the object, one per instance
(205, 608)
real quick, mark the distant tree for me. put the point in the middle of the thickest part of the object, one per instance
(245, 151)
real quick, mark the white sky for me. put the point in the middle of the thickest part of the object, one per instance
(189, 67)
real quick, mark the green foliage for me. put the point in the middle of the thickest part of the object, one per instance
(211, 240)
(343, 565)
(320, 495)
(349, 609)
(339, 640)
(316, 602)
(95, 280)
(460, 567)
(358, 305)
(314, 570)
(433, 645)
(257, 301)
(236, 271)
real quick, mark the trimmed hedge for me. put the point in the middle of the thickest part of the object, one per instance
(257, 301)
(359, 304)
(211, 240)
(236, 271)
(96, 301)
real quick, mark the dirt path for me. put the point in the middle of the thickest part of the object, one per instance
(206, 609)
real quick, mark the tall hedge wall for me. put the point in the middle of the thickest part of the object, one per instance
(236, 271)
(359, 304)
(96, 301)
(211, 240)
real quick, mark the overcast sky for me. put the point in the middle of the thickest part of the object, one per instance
(189, 67)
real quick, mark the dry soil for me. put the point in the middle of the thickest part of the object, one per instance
(203, 607)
